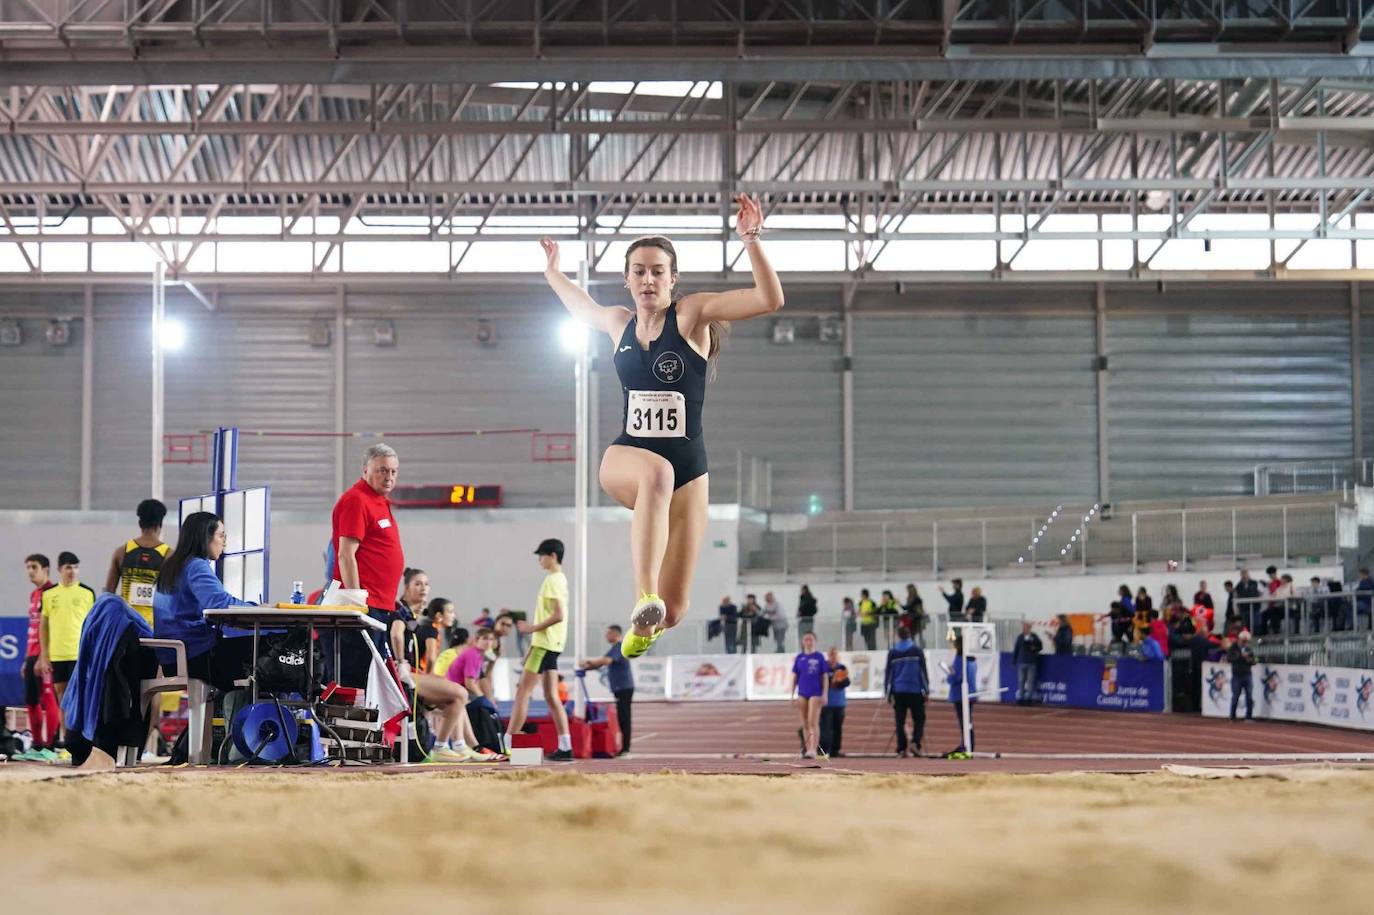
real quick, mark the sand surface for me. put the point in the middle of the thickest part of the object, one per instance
(548, 841)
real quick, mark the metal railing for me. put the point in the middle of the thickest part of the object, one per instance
(1338, 475)
(1307, 614)
(1176, 539)
(752, 479)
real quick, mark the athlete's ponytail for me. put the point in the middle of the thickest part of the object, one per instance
(720, 331)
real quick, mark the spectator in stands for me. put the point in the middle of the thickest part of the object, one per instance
(1025, 654)
(1123, 596)
(906, 684)
(1204, 618)
(1142, 596)
(868, 620)
(1318, 607)
(1278, 610)
(832, 716)
(811, 688)
(1203, 596)
(729, 623)
(1248, 589)
(1159, 631)
(1140, 621)
(484, 620)
(1063, 634)
(888, 611)
(1230, 587)
(849, 617)
(1194, 647)
(777, 621)
(977, 609)
(914, 614)
(1150, 650)
(806, 612)
(963, 675)
(1242, 660)
(749, 616)
(620, 680)
(1120, 620)
(955, 600)
(1362, 601)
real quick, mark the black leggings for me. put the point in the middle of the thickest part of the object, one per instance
(624, 698)
(913, 704)
(832, 729)
(226, 661)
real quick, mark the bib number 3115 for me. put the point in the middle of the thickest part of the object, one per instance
(656, 414)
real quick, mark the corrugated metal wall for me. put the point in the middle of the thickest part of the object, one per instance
(438, 377)
(963, 395)
(40, 410)
(991, 408)
(1205, 383)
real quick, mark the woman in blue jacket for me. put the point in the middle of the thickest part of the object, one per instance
(186, 587)
(964, 671)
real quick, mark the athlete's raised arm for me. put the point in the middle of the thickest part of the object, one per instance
(763, 297)
(609, 320)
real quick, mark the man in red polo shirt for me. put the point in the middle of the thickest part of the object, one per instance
(367, 548)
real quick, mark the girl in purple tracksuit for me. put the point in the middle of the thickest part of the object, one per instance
(811, 686)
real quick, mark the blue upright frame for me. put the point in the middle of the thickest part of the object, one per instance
(224, 483)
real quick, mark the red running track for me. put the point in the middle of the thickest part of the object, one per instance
(738, 735)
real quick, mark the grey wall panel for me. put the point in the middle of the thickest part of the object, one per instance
(247, 364)
(121, 472)
(259, 372)
(1204, 385)
(40, 417)
(965, 411)
(437, 377)
(782, 403)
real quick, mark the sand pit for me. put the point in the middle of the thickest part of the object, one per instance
(265, 843)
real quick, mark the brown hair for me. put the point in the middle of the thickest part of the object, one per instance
(719, 330)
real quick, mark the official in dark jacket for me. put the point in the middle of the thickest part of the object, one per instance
(1242, 660)
(906, 683)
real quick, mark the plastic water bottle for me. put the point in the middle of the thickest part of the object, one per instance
(297, 592)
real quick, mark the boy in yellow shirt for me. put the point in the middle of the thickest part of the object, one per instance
(549, 630)
(59, 635)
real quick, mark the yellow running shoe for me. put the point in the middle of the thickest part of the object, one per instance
(649, 613)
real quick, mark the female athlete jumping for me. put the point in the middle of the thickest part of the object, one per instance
(665, 350)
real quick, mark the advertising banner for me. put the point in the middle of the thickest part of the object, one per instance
(770, 675)
(14, 631)
(703, 678)
(650, 677)
(1079, 681)
(1334, 696)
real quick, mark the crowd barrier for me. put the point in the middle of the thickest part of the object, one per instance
(1335, 696)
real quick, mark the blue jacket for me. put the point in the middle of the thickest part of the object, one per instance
(1151, 650)
(956, 678)
(178, 615)
(101, 633)
(906, 669)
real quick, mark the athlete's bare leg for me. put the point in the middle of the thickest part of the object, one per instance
(643, 482)
(688, 516)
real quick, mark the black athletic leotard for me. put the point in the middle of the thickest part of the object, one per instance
(664, 389)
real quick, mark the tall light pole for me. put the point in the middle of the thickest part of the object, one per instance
(159, 401)
(574, 336)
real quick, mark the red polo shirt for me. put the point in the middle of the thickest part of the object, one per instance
(366, 517)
